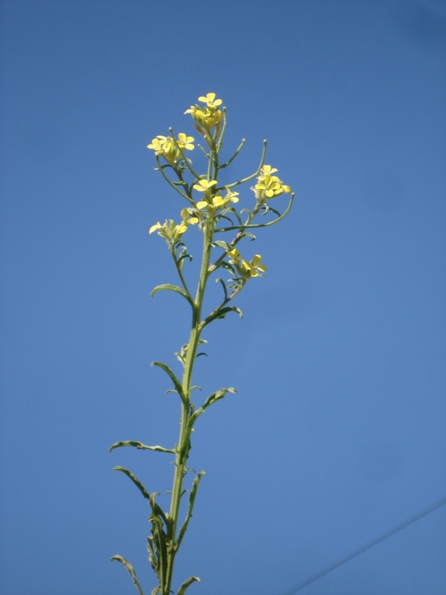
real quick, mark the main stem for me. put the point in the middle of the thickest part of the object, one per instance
(183, 447)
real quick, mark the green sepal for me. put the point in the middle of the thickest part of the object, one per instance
(192, 496)
(187, 583)
(131, 571)
(139, 445)
(175, 288)
(174, 379)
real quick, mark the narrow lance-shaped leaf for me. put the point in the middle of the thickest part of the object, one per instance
(187, 583)
(156, 509)
(135, 480)
(175, 288)
(139, 445)
(131, 571)
(192, 496)
(221, 313)
(225, 291)
(222, 244)
(153, 559)
(174, 379)
(219, 394)
(160, 541)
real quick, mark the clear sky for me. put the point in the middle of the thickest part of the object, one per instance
(337, 433)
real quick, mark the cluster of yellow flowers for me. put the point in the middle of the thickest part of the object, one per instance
(169, 231)
(213, 202)
(246, 269)
(171, 149)
(208, 115)
(269, 186)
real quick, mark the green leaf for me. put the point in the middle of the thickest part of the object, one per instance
(225, 291)
(131, 571)
(160, 542)
(153, 559)
(187, 583)
(135, 480)
(222, 244)
(210, 401)
(175, 288)
(192, 496)
(222, 216)
(219, 394)
(140, 446)
(221, 313)
(174, 379)
(156, 509)
(248, 235)
(235, 212)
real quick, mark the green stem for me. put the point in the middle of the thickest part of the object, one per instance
(183, 447)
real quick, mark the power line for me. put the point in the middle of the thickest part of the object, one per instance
(367, 546)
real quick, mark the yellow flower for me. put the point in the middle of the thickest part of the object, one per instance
(209, 100)
(247, 270)
(209, 115)
(189, 217)
(170, 149)
(169, 231)
(235, 255)
(231, 196)
(267, 170)
(269, 186)
(204, 185)
(158, 144)
(217, 201)
(254, 268)
(185, 142)
(155, 227)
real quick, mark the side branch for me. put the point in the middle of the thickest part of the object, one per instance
(257, 225)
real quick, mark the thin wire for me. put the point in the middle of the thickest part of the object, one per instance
(368, 546)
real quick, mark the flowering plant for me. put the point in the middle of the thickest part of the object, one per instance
(211, 208)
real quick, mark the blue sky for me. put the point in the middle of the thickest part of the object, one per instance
(337, 433)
